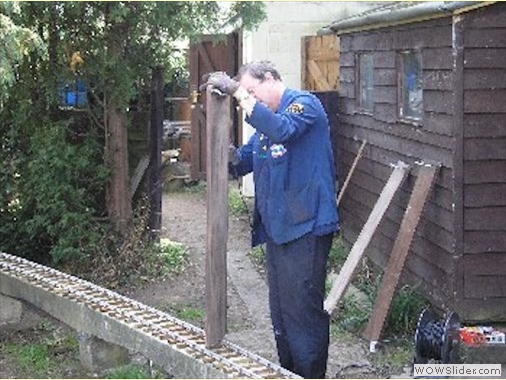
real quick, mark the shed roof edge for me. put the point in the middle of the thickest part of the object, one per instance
(386, 17)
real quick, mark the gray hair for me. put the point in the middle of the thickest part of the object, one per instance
(258, 69)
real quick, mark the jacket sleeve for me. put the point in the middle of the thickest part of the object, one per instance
(244, 160)
(287, 124)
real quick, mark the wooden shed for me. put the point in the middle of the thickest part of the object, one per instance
(426, 82)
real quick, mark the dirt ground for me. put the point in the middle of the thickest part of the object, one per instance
(184, 220)
(248, 320)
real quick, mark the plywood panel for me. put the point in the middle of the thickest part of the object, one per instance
(320, 63)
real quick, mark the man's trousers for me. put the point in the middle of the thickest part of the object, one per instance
(296, 276)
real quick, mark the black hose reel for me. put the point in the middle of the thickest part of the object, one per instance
(437, 340)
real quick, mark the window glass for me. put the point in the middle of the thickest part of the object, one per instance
(366, 81)
(411, 91)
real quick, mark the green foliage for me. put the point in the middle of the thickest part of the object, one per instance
(54, 161)
(17, 43)
(236, 203)
(188, 314)
(119, 261)
(38, 351)
(48, 204)
(257, 256)
(353, 314)
(338, 254)
(174, 255)
(195, 188)
(405, 311)
(251, 14)
(32, 358)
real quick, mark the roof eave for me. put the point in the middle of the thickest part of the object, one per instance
(426, 10)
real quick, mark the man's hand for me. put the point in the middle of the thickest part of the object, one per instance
(232, 156)
(219, 81)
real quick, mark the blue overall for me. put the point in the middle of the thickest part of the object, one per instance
(290, 155)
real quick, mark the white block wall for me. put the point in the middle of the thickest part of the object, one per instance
(278, 39)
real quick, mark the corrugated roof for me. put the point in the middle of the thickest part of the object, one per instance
(398, 12)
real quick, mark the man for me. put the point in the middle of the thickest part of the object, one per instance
(295, 213)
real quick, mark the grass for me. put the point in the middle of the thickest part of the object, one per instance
(40, 351)
(405, 311)
(187, 313)
(31, 358)
(195, 187)
(338, 254)
(236, 204)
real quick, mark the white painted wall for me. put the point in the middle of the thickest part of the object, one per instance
(278, 39)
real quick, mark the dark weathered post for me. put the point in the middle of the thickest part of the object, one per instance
(155, 151)
(218, 120)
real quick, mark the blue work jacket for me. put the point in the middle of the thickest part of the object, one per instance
(290, 155)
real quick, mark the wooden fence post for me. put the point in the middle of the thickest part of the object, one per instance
(217, 124)
(155, 155)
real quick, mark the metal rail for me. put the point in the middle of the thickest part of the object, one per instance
(228, 358)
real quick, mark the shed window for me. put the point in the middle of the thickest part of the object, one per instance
(410, 86)
(366, 81)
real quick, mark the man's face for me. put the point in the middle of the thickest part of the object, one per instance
(261, 89)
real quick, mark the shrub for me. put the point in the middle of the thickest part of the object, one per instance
(50, 195)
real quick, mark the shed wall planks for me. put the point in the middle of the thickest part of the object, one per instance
(463, 128)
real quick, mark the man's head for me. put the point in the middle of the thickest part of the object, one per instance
(262, 81)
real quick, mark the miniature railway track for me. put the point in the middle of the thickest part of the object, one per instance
(227, 358)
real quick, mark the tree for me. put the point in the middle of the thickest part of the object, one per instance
(111, 47)
(119, 43)
(16, 43)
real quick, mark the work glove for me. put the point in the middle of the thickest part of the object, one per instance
(232, 156)
(220, 82)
